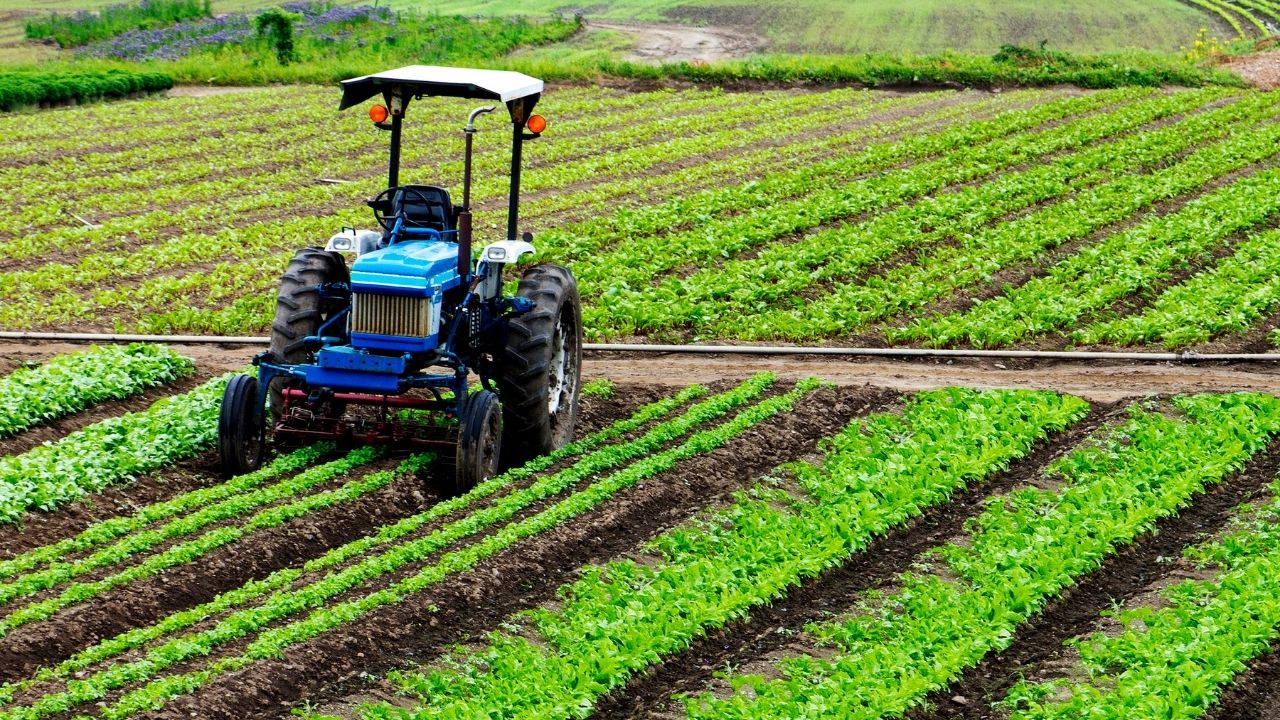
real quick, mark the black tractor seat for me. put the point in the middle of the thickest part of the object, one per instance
(424, 206)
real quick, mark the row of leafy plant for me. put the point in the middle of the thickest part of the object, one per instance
(1232, 296)
(1123, 264)
(111, 451)
(625, 616)
(976, 257)
(1020, 554)
(127, 560)
(293, 614)
(1176, 658)
(778, 273)
(70, 383)
(62, 300)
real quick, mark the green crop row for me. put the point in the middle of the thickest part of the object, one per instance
(1020, 554)
(625, 616)
(784, 270)
(312, 598)
(634, 264)
(19, 89)
(237, 305)
(103, 532)
(1230, 297)
(1122, 264)
(977, 256)
(591, 448)
(70, 383)
(1174, 661)
(241, 302)
(110, 451)
(181, 553)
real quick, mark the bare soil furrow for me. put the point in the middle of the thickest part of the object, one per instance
(1125, 575)
(524, 576)
(252, 557)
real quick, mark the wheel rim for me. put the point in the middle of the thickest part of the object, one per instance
(556, 370)
(489, 443)
(252, 448)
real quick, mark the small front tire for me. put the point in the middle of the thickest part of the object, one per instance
(241, 431)
(479, 441)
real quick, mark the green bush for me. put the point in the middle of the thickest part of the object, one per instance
(24, 89)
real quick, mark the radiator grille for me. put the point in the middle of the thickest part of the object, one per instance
(391, 315)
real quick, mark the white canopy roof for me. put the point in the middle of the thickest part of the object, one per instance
(434, 80)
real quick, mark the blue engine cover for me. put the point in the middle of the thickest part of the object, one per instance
(414, 268)
(418, 267)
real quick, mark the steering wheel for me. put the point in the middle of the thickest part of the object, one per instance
(382, 204)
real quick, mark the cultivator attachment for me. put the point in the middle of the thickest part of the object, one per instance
(349, 418)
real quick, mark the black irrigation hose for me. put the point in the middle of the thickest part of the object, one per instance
(1154, 357)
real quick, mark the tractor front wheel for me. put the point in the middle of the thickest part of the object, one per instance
(300, 312)
(240, 427)
(479, 441)
(539, 366)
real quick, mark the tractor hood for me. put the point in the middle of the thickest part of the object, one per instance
(419, 267)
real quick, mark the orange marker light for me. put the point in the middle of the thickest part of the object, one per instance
(378, 113)
(537, 124)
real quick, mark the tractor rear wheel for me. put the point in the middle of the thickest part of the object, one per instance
(300, 312)
(240, 427)
(539, 366)
(479, 441)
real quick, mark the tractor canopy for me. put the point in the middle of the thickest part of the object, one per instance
(435, 81)
(398, 87)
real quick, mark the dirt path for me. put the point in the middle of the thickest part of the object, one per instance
(1261, 69)
(1099, 381)
(675, 43)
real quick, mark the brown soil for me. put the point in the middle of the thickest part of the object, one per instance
(252, 557)
(1100, 381)
(682, 43)
(525, 575)
(38, 528)
(1260, 69)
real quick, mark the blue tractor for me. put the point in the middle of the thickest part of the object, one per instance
(383, 350)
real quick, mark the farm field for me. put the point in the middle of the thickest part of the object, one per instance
(754, 547)
(1054, 218)
(931, 26)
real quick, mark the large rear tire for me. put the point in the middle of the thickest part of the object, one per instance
(540, 363)
(479, 441)
(241, 441)
(300, 312)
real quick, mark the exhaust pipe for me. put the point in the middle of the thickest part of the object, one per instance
(464, 215)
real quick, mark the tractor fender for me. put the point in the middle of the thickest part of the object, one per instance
(492, 258)
(506, 251)
(356, 241)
